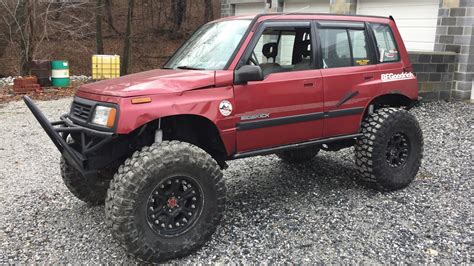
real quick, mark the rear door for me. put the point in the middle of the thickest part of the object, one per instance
(286, 107)
(349, 74)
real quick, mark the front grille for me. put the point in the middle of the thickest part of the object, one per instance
(81, 111)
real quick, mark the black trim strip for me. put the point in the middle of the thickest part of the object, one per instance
(316, 46)
(294, 146)
(331, 24)
(344, 112)
(370, 37)
(279, 121)
(350, 46)
(347, 97)
(255, 124)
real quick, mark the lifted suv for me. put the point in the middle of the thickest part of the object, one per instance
(152, 145)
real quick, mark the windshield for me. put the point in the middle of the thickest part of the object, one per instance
(211, 47)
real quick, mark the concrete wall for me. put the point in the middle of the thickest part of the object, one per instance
(435, 72)
(454, 33)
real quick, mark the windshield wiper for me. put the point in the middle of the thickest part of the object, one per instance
(189, 68)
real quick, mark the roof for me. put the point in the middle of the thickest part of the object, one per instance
(266, 16)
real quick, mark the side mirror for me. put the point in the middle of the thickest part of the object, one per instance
(247, 73)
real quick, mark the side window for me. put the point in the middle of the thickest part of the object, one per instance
(336, 47)
(360, 49)
(385, 43)
(283, 50)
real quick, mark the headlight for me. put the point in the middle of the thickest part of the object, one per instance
(104, 116)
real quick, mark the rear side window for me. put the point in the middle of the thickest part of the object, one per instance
(386, 46)
(344, 47)
(359, 46)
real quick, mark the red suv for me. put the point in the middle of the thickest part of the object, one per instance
(153, 145)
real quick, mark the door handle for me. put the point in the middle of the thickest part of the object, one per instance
(308, 84)
(367, 77)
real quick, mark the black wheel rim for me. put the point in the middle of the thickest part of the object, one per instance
(398, 148)
(174, 205)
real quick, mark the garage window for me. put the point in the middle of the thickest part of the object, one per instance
(386, 46)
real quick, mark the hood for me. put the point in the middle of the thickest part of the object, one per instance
(158, 81)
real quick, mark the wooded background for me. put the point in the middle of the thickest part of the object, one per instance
(145, 33)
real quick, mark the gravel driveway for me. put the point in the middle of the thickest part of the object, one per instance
(276, 213)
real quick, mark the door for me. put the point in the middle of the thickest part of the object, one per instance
(286, 107)
(306, 6)
(349, 72)
(249, 8)
(416, 20)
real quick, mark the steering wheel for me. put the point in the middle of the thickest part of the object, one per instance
(253, 59)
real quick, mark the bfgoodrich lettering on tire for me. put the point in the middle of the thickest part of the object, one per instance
(166, 201)
(389, 154)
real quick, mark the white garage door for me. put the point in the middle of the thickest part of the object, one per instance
(416, 20)
(249, 9)
(306, 6)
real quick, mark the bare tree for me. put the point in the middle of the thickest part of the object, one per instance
(110, 17)
(178, 14)
(98, 28)
(127, 43)
(27, 24)
(208, 10)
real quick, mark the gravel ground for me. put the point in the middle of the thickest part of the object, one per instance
(276, 213)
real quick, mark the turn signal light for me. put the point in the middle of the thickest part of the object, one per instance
(141, 100)
(111, 119)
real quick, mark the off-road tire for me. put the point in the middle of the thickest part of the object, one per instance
(132, 187)
(298, 156)
(93, 192)
(371, 149)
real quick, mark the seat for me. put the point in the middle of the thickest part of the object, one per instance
(270, 50)
(305, 62)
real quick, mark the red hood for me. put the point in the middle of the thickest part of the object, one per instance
(152, 82)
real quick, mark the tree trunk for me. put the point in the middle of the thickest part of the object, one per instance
(179, 12)
(23, 16)
(208, 10)
(127, 44)
(98, 28)
(110, 19)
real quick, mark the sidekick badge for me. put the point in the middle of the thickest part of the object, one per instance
(225, 107)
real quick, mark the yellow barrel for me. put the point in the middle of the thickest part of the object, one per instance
(105, 66)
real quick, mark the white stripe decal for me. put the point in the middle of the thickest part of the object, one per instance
(60, 73)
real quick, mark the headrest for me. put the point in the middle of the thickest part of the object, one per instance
(306, 48)
(270, 50)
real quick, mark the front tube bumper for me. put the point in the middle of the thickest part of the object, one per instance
(58, 132)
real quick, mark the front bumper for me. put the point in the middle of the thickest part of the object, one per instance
(91, 140)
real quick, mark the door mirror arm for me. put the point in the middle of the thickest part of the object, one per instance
(247, 73)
